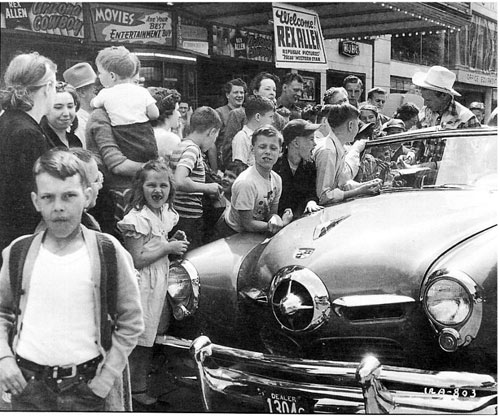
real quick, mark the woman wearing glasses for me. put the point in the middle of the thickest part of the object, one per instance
(59, 123)
(28, 95)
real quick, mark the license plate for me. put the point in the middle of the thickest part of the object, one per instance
(286, 403)
(459, 393)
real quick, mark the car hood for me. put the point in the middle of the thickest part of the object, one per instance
(379, 244)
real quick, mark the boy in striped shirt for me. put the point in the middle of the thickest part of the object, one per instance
(189, 173)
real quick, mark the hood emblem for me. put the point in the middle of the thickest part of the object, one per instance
(325, 227)
(304, 252)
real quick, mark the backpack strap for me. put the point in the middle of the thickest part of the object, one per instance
(17, 258)
(109, 279)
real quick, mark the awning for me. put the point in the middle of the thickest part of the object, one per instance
(341, 19)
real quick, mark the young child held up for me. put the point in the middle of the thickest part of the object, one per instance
(259, 112)
(145, 231)
(130, 107)
(257, 190)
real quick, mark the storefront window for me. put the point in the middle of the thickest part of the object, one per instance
(477, 45)
(424, 49)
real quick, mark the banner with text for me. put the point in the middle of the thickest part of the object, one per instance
(63, 19)
(121, 24)
(298, 38)
(242, 43)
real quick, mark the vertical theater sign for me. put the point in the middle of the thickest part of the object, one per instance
(298, 38)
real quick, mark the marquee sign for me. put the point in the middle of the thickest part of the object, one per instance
(298, 38)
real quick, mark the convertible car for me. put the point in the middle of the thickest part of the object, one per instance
(382, 303)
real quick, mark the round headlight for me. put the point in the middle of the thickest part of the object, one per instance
(448, 302)
(183, 289)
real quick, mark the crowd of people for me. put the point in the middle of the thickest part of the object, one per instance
(104, 182)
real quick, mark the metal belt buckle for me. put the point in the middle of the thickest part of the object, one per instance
(73, 371)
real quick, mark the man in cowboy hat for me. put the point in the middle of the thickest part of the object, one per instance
(82, 77)
(440, 107)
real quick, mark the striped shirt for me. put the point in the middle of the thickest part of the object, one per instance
(188, 154)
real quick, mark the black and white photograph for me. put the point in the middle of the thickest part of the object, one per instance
(251, 208)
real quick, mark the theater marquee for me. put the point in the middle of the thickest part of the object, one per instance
(298, 38)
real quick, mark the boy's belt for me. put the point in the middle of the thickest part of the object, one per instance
(59, 372)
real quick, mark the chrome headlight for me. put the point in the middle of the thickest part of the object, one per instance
(183, 289)
(448, 302)
(299, 299)
(454, 304)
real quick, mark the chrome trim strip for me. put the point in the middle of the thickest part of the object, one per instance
(369, 300)
(342, 386)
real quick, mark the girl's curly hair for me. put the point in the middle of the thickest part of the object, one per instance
(137, 199)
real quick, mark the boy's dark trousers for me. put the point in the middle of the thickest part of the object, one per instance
(45, 393)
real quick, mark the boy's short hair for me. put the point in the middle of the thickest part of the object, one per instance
(237, 167)
(375, 90)
(61, 164)
(234, 82)
(339, 114)
(258, 104)
(351, 79)
(267, 131)
(406, 111)
(87, 157)
(205, 118)
(119, 60)
(288, 78)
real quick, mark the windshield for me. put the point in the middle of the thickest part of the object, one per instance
(438, 162)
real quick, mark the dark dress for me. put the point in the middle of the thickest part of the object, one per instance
(54, 140)
(22, 141)
(297, 188)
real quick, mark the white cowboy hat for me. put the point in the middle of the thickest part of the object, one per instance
(437, 78)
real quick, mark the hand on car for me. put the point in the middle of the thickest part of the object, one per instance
(312, 207)
(274, 224)
(287, 216)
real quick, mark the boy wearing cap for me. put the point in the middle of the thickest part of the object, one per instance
(297, 170)
(82, 77)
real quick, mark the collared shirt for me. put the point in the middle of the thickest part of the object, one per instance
(83, 117)
(242, 146)
(455, 116)
(332, 171)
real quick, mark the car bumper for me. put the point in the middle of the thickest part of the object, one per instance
(260, 382)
